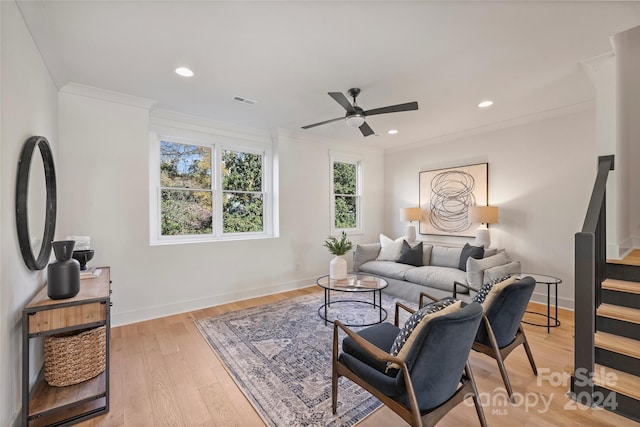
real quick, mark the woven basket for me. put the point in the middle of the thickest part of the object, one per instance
(74, 357)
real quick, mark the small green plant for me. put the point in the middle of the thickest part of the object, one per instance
(338, 246)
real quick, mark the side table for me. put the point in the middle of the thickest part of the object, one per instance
(549, 281)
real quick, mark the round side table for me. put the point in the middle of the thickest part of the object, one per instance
(549, 281)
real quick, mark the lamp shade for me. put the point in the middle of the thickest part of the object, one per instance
(410, 214)
(483, 214)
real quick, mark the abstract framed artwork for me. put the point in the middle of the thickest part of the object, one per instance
(445, 197)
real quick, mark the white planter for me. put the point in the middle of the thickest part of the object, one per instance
(338, 268)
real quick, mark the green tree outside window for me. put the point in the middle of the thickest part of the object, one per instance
(345, 183)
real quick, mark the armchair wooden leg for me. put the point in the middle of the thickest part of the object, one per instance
(498, 356)
(334, 392)
(334, 371)
(476, 397)
(527, 349)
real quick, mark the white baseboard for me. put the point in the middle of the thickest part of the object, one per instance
(621, 250)
(148, 313)
(563, 302)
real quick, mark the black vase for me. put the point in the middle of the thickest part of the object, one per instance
(63, 274)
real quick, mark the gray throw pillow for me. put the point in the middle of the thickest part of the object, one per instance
(501, 271)
(476, 268)
(365, 253)
(411, 255)
(468, 251)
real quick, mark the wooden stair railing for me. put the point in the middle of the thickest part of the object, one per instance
(590, 271)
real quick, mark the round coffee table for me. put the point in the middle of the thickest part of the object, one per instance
(354, 283)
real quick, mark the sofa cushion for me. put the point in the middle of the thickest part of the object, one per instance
(436, 277)
(364, 253)
(411, 255)
(496, 272)
(443, 256)
(476, 268)
(390, 249)
(389, 269)
(416, 322)
(426, 253)
(469, 251)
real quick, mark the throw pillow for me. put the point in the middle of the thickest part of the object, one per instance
(364, 253)
(416, 322)
(490, 290)
(468, 251)
(477, 267)
(411, 255)
(390, 249)
(501, 271)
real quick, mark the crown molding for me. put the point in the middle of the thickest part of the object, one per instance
(107, 95)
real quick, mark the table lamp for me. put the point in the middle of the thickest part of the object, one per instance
(411, 214)
(484, 215)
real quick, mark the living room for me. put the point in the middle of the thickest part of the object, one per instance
(541, 170)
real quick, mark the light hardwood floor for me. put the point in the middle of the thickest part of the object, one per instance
(163, 373)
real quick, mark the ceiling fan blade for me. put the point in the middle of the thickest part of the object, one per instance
(342, 100)
(392, 109)
(366, 129)
(322, 123)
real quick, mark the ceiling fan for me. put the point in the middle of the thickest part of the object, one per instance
(355, 116)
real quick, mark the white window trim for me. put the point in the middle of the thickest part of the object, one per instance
(217, 143)
(357, 160)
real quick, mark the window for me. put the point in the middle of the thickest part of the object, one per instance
(346, 194)
(243, 206)
(205, 188)
(186, 189)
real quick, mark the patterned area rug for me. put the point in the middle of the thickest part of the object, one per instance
(280, 356)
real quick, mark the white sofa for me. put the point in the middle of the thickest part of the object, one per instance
(438, 272)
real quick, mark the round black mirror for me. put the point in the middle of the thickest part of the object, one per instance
(44, 221)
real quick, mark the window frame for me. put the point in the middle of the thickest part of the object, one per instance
(358, 162)
(217, 143)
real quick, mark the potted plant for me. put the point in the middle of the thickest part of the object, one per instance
(338, 247)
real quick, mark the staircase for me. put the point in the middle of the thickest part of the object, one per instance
(607, 315)
(617, 340)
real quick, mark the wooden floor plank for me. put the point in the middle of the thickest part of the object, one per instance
(151, 369)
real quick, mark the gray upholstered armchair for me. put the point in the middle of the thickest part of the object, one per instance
(428, 381)
(501, 331)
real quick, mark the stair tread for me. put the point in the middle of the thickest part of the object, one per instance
(633, 258)
(626, 314)
(621, 286)
(618, 344)
(618, 381)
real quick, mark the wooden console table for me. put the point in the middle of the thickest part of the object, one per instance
(62, 406)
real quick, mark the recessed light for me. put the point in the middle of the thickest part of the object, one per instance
(184, 72)
(392, 131)
(485, 104)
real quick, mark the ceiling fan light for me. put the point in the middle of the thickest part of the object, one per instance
(355, 120)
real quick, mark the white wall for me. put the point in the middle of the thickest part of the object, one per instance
(29, 107)
(104, 194)
(627, 48)
(540, 176)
